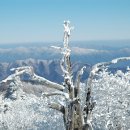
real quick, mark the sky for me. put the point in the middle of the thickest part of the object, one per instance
(24, 21)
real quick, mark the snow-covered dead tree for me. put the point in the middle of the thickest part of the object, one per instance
(77, 116)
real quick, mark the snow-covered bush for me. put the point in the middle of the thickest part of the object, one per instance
(112, 95)
(30, 113)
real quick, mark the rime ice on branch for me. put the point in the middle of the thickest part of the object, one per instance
(76, 116)
(67, 33)
(73, 112)
(34, 79)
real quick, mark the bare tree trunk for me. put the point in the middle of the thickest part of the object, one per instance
(73, 113)
(74, 117)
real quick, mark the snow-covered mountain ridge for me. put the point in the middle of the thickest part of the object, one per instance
(49, 69)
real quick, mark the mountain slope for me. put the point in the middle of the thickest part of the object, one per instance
(49, 69)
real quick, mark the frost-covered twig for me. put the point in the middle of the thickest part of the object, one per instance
(79, 74)
(66, 95)
(98, 66)
(67, 32)
(57, 107)
(88, 126)
(35, 79)
(62, 66)
(21, 68)
(18, 71)
(57, 48)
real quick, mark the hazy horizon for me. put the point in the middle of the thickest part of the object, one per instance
(24, 21)
(116, 41)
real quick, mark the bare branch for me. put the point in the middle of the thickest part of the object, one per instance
(62, 66)
(66, 95)
(58, 48)
(79, 74)
(57, 107)
(18, 71)
(98, 66)
(67, 32)
(88, 126)
(35, 79)
(21, 68)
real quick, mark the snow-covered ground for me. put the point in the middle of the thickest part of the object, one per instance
(30, 112)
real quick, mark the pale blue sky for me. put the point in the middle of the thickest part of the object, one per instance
(41, 20)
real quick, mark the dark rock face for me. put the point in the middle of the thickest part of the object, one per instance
(11, 91)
